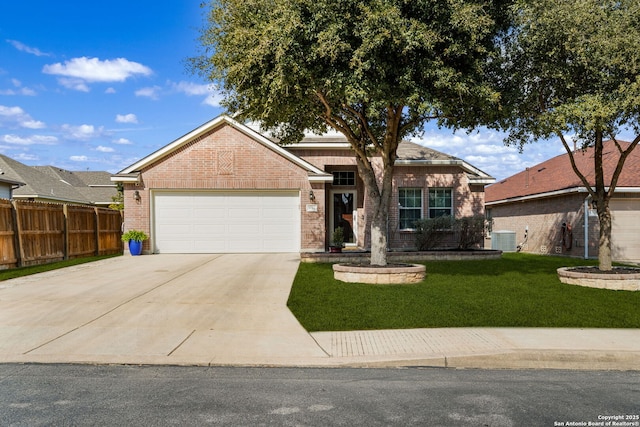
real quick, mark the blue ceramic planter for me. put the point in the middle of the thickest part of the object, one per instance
(135, 247)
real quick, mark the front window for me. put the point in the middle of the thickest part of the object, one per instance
(344, 178)
(440, 202)
(410, 207)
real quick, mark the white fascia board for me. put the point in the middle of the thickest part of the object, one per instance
(482, 180)
(538, 196)
(559, 193)
(321, 178)
(461, 163)
(321, 145)
(130, 177)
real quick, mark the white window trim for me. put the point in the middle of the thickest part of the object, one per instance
(401, 208)
(451, 209)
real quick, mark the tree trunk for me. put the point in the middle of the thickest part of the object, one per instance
(604, 243)
(379, 235)
(380, 199)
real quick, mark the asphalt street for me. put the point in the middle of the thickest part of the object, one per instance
(82, 395)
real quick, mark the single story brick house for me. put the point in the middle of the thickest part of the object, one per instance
(224, 187)
(549, 211)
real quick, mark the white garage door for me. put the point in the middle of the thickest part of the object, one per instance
(625, 229)
(221, 222)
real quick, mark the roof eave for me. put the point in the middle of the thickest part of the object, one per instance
(126, 177)
(451, 162)
(558, 193)
(321, 178)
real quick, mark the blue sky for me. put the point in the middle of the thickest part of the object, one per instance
(98, 85)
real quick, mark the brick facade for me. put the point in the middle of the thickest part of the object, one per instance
(538, 225)
(223, 158)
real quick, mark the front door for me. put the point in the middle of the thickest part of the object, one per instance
(342, 207)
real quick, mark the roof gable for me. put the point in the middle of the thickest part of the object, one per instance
(207, 127)
(556, 174)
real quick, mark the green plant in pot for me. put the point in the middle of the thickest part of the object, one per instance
(135, 239)
(337, 240)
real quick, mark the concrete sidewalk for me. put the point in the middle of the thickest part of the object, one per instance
(231, 310)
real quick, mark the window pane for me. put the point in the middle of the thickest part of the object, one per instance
(344, 178)
(440, 202)
(410, 209)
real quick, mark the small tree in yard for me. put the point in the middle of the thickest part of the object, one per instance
(573, 68)
(374, 70)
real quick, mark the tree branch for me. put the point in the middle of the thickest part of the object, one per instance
(572, 159)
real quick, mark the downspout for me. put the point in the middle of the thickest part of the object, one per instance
(587, 202)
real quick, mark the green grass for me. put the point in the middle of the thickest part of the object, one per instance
(519, 290)
(26, 271)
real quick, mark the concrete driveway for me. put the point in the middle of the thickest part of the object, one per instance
(169, 309)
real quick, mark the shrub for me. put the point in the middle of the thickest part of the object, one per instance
(468, 232)
(137, 235)
(430, 232)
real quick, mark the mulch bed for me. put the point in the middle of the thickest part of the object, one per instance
(354, 264)
(615, 270)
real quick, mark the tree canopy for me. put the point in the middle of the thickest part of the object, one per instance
(570, 69)
(373, 70)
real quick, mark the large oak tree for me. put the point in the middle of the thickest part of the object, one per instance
(571, 70)
(374, 70)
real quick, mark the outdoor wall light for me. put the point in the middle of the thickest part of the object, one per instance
(136, 196)
(312, 196)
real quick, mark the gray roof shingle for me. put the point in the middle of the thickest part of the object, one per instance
(52, 183)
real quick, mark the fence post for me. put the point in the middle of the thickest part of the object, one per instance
(18, 234)
(65, 231)
(96, 230)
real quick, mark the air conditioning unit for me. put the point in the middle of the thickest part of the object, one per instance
(503, 240)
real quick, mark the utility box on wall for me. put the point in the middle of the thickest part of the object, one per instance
(503, 240)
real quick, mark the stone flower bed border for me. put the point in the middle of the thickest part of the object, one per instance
(624, 280)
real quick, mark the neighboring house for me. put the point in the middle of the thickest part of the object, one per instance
(549, 209)
(7, 186)
(52, 184)
(225, 187)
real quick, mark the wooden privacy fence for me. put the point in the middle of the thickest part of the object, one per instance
(38, 233)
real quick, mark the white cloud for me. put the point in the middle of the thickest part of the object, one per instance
(213, 100)
(29, 140)
(149, 92)
(11, 111)
(95, 70)
(110, 90)
(79, 158)
(27, 91)
(82, 132)
(122, 141)
(33, 124)
(104, 149)
(24, 48)
(74, 84)
(126, 118)
(25, 157)
(190, 89)
(16, 116)
(19, 89)
(212, 96)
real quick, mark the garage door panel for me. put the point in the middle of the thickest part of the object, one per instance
(217, 222)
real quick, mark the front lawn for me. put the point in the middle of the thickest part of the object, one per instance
(519, 290)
